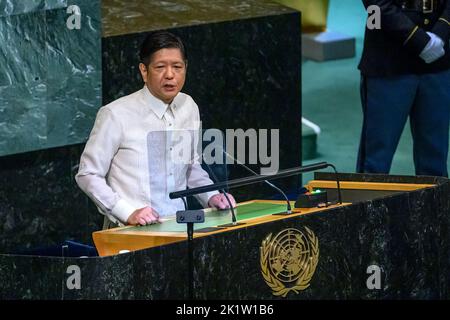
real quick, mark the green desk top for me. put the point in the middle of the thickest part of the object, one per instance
(213, 218)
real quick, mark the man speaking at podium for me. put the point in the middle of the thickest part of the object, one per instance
(127, 165)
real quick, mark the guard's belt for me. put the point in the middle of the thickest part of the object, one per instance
(425, 6)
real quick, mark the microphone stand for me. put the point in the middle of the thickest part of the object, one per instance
(337, 182)
(190, 217)
(289, 208)
(190, 244)
(233, 215)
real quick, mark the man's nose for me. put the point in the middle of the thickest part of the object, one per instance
(169, 73)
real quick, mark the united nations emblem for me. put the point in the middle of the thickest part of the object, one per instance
(289, 260)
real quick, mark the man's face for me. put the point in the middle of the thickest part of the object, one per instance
(166, 73)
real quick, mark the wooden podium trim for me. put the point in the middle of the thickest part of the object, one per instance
(317, 184)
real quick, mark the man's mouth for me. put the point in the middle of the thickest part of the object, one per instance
(169, 87)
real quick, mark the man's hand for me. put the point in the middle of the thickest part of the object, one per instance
(143, 217)
(219, 201)
(433, 50)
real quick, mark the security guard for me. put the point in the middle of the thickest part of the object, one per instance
(405, 71)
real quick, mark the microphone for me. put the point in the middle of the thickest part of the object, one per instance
(233, 215)
(289, 208)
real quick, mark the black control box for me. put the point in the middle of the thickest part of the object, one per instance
(190, 216)
(313, 199)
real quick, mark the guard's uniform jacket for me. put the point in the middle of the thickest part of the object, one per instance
(395, 48)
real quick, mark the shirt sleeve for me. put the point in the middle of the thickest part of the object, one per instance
(398, 25)
(102, 145)
(442, 26)
(196, 176)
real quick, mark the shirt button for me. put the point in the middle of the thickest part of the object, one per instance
(427, 21)
(170, 124)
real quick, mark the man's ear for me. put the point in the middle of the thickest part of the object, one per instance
(144, 71)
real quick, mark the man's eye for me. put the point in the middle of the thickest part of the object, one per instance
(159, 67)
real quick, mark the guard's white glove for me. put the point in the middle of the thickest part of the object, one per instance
(433, 50)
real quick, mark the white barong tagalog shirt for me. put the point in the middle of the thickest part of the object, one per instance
(139, 150)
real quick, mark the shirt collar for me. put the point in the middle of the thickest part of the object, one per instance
(158, 106)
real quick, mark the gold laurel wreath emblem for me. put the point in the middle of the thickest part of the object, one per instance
(306, 274)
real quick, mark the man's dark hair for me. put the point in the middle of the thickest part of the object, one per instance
(160, 40)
